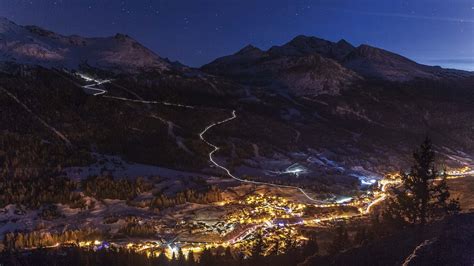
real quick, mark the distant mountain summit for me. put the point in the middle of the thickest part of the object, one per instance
(305, 67)
(296, 68)
(37, 46)
(304, 45)
(365, 61)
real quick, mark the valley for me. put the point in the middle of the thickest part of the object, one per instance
(106, 146)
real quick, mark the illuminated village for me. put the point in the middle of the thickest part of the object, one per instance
(276, 219)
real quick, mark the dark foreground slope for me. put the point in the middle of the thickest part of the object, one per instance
(449, 242)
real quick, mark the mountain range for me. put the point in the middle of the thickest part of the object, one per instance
(37, 46)
(305, 66)
(341, 111)
(308, 64)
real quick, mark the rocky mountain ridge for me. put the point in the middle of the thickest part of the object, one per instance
(364, 61)
(33, 45)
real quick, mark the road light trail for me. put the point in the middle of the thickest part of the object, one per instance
(216, 148)
(99, 91)
(385, 184)
(96, 83)
(149, 102)
(373, 203)
(201, 135)
(103, 92)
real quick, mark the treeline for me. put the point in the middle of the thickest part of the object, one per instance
(35, 239)
(106, 187)
(135, 229)
(212, 194)
(118, 256)
(27, 156)
(35, 192)
(73, 256)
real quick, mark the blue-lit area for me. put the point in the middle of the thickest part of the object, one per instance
(295, 169)
(342, 200)
(366, 180)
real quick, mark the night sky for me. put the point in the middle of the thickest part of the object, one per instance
(435, 32)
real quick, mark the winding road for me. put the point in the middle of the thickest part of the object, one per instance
(102, 92)
(227, 171)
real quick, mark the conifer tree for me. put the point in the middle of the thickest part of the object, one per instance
(341, 241)
(310, 248)
(206, 258)
(424, 193)
(257, 249)
(181, 260)
(191, 261)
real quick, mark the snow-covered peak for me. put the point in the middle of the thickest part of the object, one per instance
(37, 46)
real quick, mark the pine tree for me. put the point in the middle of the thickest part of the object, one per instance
(228, 258)
(191, 260)
(173, 260)
(310, 248)
(361, 236)
(443, 204)
(181, 259)
(257, 249)
(162, 259)
(206, 258)
(341, 241)
(421, 197)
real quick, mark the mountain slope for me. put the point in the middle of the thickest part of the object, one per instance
(447, 242)
(374, 62)
(36, 46)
